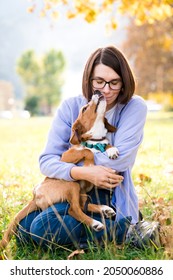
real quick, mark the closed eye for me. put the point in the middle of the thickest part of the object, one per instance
(84, 109)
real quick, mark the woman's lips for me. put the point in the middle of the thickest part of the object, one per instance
(108, 98)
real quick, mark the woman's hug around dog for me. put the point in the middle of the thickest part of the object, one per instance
(91, 149)
(88, 134)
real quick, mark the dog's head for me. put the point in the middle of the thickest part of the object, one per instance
(91, 118)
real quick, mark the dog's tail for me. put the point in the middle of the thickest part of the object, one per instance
(30, 207)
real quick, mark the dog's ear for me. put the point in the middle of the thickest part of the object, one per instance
(109, 127)
(76, 133)
(85, 137)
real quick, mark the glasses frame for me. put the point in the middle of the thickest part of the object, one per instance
(105, 83)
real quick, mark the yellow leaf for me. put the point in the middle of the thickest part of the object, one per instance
(70, 15)
(47, 6)
(113, 24)
(90, 16)
(31, 9)
(42, 13)
(55, 15)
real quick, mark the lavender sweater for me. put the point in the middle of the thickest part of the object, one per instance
(129, 119)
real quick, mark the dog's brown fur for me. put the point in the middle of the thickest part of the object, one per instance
(51, 191)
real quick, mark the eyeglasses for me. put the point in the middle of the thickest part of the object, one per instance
(99, 83)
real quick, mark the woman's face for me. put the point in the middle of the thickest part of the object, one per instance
(103, 74)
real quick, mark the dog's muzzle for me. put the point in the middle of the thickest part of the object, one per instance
(97, 98)
(99, 94)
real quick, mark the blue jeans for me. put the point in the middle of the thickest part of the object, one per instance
(54, 225)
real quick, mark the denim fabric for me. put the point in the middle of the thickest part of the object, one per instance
(54, 225)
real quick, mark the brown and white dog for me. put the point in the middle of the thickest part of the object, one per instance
(88, 133)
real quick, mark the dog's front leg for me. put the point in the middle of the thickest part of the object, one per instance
(105, 210)
(78, 153)
(76, 211)
(112, 152)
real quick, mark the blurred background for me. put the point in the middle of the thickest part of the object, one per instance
(46, 43)
(44, 47)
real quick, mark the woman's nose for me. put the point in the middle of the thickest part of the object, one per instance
(106, 89)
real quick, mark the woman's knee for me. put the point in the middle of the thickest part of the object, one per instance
(23, 231)
(44, 226)
(41, 228)
(50, 227)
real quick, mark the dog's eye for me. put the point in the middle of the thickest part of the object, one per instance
(84, 109)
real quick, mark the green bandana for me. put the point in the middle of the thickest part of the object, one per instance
(97, 146)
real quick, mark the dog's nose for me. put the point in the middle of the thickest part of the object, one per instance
(97, 92)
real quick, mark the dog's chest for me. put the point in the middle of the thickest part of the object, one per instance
(98, 130)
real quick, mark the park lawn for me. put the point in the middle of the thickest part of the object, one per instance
(21, 143)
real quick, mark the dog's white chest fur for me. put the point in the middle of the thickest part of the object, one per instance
(98, 130)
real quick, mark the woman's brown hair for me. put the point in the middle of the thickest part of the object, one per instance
(112, 57)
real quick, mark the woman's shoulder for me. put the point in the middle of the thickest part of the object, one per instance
(137, 102)
(74, 102)
(135, 106)
(69, 108)
(136, 99)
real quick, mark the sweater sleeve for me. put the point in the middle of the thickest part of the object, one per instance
(128, 136)
(58, 142)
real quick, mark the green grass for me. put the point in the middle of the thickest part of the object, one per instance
(21, 143)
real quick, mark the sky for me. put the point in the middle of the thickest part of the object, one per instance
(20, 31)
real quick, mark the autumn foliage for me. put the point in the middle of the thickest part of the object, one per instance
(162, 212)
(143, 11)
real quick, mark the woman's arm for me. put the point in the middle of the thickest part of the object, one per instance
(58, 140)
(129, 133)
(128, 136)
(100, 176)
(127, 139)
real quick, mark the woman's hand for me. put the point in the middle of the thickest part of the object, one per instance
(101, 176)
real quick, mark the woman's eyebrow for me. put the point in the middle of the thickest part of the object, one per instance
(115, 79)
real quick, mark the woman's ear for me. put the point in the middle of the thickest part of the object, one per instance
(109, 127)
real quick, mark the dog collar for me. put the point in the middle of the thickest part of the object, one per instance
(98, 146)
(98, 139)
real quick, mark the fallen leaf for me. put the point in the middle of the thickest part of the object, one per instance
(144, 178)
(75, 253)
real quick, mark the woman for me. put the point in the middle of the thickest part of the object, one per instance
(108, 71)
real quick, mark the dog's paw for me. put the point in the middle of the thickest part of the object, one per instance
(113, 152)
(97, 226)
(108, 211)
